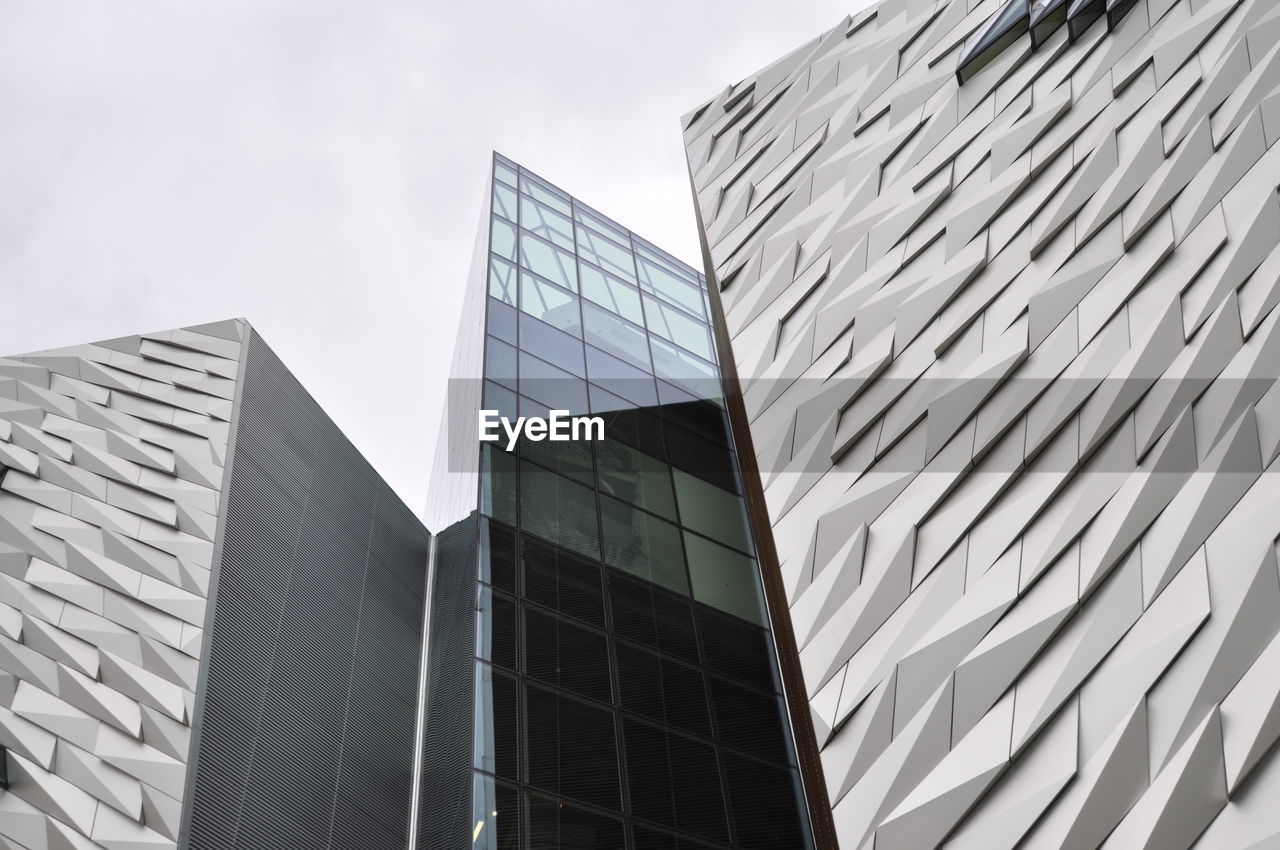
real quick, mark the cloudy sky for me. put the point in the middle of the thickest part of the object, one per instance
(316, 167)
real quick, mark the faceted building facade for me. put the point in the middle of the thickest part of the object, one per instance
(210, 606)
(615, 683)
(1000, 279)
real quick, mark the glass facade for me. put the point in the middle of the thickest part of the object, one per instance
(626, 692)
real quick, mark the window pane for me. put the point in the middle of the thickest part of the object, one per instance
(500, 362)
(495, 745)
(635, 477)
(496, 628)
(572, 750)
(502, 321)
(607, 331)
(620, 378)
(661, 280)
(651, 615)
(712, 511)
(498, 484)
(600, 224)
(552, 345)
(550, 262)
(546, 222)
(607, 254)
(569, 827)
(765, 800)
(553, 198)
(502, 241)
(724, 579)
(562, 581)
(501, 399)
(682, 368)
(555, 508)
(610, 293)
(643, 545)
(750, 720)
(551, 304)
(498, 556)
(502, 281)
(567, 655)
(504, 201)
(680, 328)
(503, 171)
(496, 815)
(552, 386)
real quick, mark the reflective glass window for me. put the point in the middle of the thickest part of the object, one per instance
(503, 171)
(546, 222)
(498, 556)
(601, 224)
(619, 338)
(610, 293)
(724, 579)
(678, 327)
(496, 629)
(652, 615)
(504, 201)
(496, 747)
(548, 195)
(498, 484)
(633, 476)
(562, 581)
(572, 749)
(620, 377)
(559, 824)
(502, 280)
(496, 815)
(711, 510)
(609, 255)
(662, 281)
(551, 385)
(642, 545)
(550, 262)
(559, 510)
(551, 304)
(502, 240)
(567, 655)
(684, 369)
(502, 321)
(500, 362)
(552, 345)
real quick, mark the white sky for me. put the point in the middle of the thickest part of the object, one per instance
(316, 167)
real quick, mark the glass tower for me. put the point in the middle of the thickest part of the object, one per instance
(624, 690)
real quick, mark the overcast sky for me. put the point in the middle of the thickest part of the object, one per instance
(316, 167)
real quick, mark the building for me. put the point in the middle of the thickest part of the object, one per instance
(624, 690)
(939, 510)
(1000, 281)
(188, 543)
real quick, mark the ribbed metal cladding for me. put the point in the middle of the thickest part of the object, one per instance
(444, 813)
(305, 721)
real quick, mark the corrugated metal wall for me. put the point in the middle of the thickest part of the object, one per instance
(304, 738)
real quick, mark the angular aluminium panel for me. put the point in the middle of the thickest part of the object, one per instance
(115, 455)
(1009, 352)
(125, 509)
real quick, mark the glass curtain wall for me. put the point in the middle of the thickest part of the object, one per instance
(626, 688)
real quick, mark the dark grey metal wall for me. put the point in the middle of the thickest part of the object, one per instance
(305, 726)
(444, 813)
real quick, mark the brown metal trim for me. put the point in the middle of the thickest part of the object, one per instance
(807, 751)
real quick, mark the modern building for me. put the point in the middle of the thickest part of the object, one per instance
(1000, 281)
(210, 606)
(938, 510)
(601, 668)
